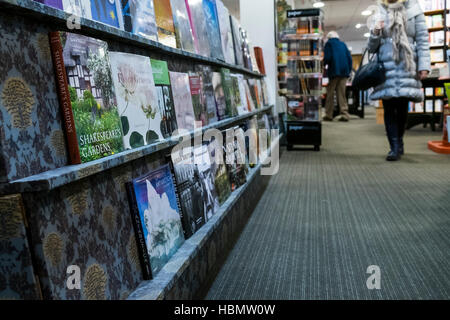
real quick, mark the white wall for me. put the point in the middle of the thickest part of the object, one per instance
(358, 47)
(257, 17)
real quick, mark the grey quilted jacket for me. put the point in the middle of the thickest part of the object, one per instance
(399, 82)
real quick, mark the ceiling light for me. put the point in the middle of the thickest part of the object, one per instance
(366, 12)
(367, 35)
(318, 4)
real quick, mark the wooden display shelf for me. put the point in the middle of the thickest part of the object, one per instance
(435, 12)
(435, 29)
(62, 176)
(102, 31)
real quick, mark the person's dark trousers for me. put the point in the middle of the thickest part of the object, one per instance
(395, 116)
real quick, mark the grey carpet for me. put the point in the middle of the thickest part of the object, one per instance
(326, 216)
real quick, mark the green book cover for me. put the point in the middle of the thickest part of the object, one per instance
(92, 95)
(227, 84)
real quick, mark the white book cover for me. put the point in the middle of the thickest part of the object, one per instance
(243, 108)
(225, 32)
(429, 105)
(136, 98)
(182, 100)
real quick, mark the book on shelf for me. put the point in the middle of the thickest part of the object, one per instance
(198, 98)
(219, 171)
(139, 18)
(106, 11)
(183, 30)
(236, 95)
(265, 92)
(249, 96)
(434, 21)
(433, 5)
(429, 91)
(242, 103)
(58, 4)
(219, 95)
(155, 211)
(260, 59)
(225, 32)
(189, 190)
(182, 100)
(429, 105)
(208, 94)
(254, 62)
(245, 47)
(199, 28)
(251, 143)
(164, 22)
(136, 99)
(261, 97)
(227, 85)
(237, 41)
(235, 157)
(164, 96)
(212, 29)
(254, 93)
(87, 96)
(437, 55)
(438, 105)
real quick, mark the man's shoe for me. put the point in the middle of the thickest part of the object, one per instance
(343, 119)
(327, 118)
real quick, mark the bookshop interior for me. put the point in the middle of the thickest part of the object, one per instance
(224, 150)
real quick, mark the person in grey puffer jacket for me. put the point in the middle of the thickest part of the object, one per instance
(401, 40)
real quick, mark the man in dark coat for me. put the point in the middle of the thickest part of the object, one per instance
(339, 61)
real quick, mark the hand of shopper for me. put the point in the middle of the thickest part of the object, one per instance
(423, 74)
(378, 27)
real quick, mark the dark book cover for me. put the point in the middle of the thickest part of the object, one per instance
(156, 202)
(219, 171)
(87, 96)
(219, 95)
(198, 98)
(237, 41)
(227, 84)
(190, 192)
(208, 94)
(165, 98)
(235, 157)
(213, 31)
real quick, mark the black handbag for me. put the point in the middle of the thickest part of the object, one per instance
(369, 75)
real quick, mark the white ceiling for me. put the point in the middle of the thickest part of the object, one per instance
(342, 16)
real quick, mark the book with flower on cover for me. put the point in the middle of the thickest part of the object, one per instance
(136, 99)
(87, 96)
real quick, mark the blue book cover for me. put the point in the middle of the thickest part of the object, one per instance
(213, 30)
(157, 206)
(105, 11)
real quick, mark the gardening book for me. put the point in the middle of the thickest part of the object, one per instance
(136, 99)
(219, 171)
(199, 27)
(165, 98)
(182, 100)
(183, 31)
(208, 94)
(198, 98)
(87, 96)
(227, 84)
(156, 218)
(139, 18)
(225, 32)
(164, 22)
(212, 29)
(219, 95)
(189, 187)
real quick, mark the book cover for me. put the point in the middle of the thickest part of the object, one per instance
(236, 95)
(208, 94)
(261, 98)
(260, 59)
(106, 11)
(251, 142)
(136, 99)
(219, 95)
(52, 3)
(237, 41)
(219, 171)
(242, 103)
(265, 92)
(225, 32)
(183, 30)
(156, 202)
(182, 100)
(199, 28)
(204, 165)
(227, 84)
(254, 93)
(139, 18)
(248, 96)
(198, 98)
(164, 22)
(81, 8)
(189, 187)
(235, 157)
(212, 29)
(165, 98)
(245, 49)
(87, 96)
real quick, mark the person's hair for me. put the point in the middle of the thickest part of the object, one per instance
(332, 34)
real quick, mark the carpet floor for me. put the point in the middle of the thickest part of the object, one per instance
(327, 216)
